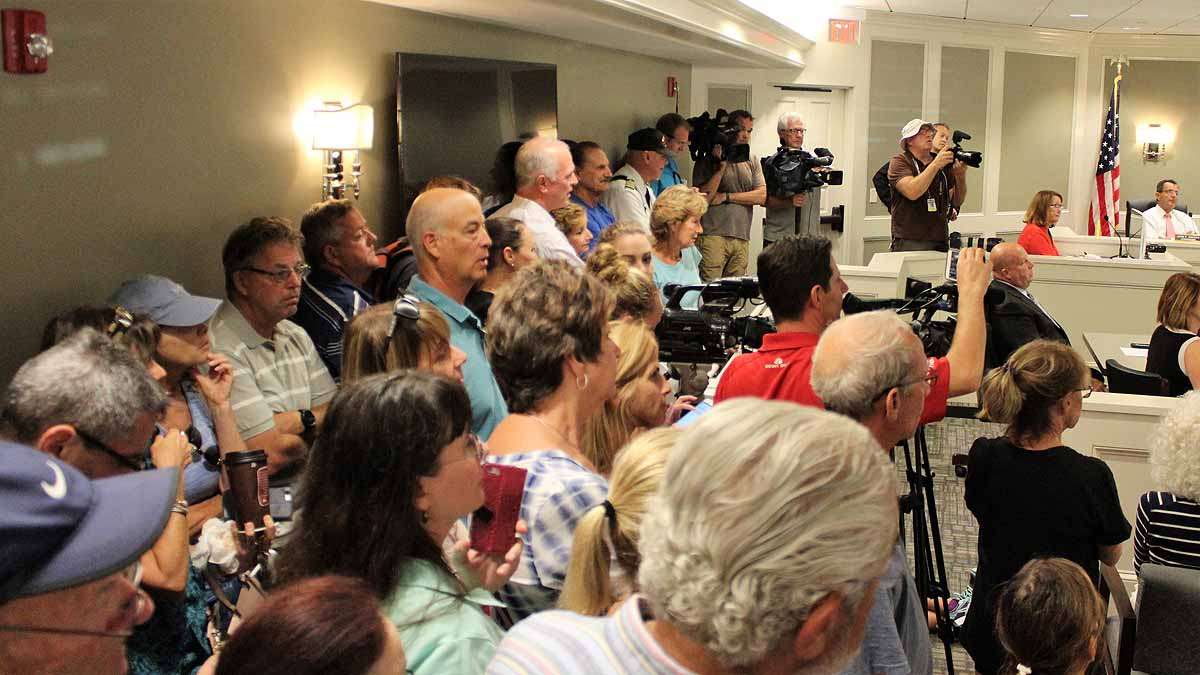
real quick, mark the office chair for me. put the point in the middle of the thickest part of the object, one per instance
(1142, 205)
(1124, 380)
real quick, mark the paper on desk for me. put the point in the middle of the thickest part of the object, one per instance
(1134, 351)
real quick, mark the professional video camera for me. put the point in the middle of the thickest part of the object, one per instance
(923, 301)
(709, 132)
(791, 171)
(972, 158)
(706, 334)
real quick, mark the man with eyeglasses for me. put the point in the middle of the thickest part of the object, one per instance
(280, 386)
(801, 284)
(629, 195)
(928, 187)
(677, 134)
(1163, 220)
(872, 368)
(341, 248)
(69, 572)
(791, 214)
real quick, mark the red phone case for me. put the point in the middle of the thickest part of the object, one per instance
(494, 525)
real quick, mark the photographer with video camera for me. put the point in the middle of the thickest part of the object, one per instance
(800, 282)
(733, 183)
(790, 213)
(927, 189)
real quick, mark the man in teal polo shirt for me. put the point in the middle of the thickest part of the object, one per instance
(450, 244)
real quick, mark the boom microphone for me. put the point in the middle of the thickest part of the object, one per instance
(852, 304)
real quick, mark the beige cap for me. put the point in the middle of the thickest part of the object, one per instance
(913, 127)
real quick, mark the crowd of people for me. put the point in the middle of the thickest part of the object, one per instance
(380, 385)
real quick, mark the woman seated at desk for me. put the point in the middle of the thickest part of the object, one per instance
(1043, 213)
(1174, 352)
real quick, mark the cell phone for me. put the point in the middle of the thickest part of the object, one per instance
(494, 525)
(693, 415)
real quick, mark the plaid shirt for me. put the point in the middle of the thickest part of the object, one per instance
(558, 491)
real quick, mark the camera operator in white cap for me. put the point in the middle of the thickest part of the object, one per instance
(926, 189)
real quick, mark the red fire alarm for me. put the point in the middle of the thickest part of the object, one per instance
(672, 87)
(26, 45)
(843, 30)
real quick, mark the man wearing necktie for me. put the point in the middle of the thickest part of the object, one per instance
(1163, 220)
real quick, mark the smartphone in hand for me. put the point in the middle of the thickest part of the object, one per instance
(494, 525)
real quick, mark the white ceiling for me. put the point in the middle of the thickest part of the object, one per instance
(1167, 17)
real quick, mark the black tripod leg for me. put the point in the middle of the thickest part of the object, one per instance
(939, 587)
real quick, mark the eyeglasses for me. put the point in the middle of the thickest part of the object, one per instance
(1085, 392)
(406, 307)
(123, 460)
(1055, 206)
(930, 378)
(282, 276)
(794, 132)
(132, 574)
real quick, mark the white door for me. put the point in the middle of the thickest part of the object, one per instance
(823, 114)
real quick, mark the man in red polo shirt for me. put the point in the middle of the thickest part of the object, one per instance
(801, 284)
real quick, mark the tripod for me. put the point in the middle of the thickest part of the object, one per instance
(929, 565)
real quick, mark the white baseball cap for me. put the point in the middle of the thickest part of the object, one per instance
(913, 127)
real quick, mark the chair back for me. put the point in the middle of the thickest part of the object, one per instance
(1168, 620)
(1142, 205)
(1124, 380)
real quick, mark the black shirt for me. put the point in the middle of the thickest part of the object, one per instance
(1031, 504)
(1164, 356)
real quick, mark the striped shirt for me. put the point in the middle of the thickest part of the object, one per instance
(271, 376)
(564, 642)
(558, 491)
(327, 303)
(1167, 531)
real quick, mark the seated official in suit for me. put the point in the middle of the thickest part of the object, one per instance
(1043, 213)
(1018, 318)
(1163, 220)
(1174, 352)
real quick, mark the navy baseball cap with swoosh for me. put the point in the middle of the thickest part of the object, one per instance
(60, 529)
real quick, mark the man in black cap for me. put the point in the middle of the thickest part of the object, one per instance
(69, 571)
(629, 196)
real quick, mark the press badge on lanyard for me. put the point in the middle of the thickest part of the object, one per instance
(931, 205)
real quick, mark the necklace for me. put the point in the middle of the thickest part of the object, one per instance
(558, 433)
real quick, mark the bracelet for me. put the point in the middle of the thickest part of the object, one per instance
(180, 507)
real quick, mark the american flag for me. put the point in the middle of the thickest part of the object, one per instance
(1104, 216)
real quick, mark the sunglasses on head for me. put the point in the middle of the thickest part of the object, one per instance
(406, 307)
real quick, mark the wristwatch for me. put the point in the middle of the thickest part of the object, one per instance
(308, 419)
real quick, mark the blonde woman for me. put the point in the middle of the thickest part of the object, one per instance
(572, 222)
(632, 241)
(640, 402)
(1032, 495)
(675, 226)
(407, 333)
(609, 532)
(634, 294)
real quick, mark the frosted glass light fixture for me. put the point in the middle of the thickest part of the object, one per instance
(336, 130)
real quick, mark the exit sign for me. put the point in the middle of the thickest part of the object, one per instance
(843, 30)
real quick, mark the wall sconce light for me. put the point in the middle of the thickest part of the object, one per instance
(337, 129)
(1154, 139)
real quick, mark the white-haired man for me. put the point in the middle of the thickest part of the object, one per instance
(791, 213)
(450, 243)
(545, 177)
(772, 527)
(872, 368)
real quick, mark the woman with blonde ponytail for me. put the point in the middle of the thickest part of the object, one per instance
(1032, 495)
(610, 531)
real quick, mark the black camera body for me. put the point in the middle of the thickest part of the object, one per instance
(791, 171)
(709, 132)
(971, 158)
(707, 334)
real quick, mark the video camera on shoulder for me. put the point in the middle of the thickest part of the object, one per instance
(709, 132)
(972, 158)
(791, 171)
